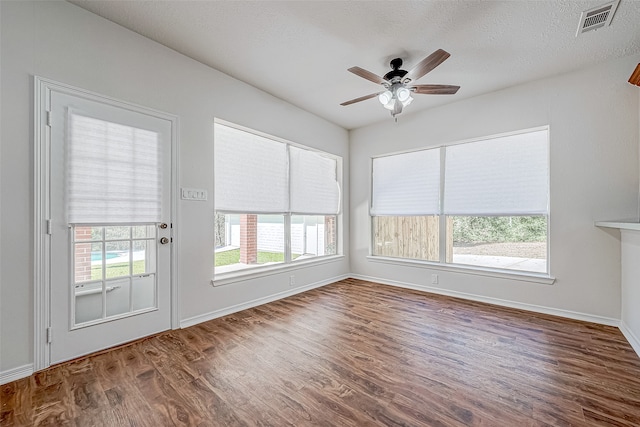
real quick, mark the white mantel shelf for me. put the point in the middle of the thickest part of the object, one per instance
(622, 225)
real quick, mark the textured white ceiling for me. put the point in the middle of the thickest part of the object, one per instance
(299, 51)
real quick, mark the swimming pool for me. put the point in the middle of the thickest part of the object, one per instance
(97, 256)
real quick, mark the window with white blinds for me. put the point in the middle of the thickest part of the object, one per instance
(508, 175)
(314, 183)
(406, 184)
(113, 173)
(275, 203)
(487, 199)
(256, 174)
(251, 172)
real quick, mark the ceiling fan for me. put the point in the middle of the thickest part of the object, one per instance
(398, 85)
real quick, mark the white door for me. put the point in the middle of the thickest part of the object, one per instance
(110, 209)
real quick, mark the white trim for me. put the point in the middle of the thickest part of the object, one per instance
(496, 301)
(16, 373)
(185, 323)
(41, 318)
(522, 276)
(621, 225)
(175, 216)
(257, 272)
(41, 144)
(634, 341)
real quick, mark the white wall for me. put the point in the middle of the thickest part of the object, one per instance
(593, 119)
(631, 287)
(60, 41)
(630, 243)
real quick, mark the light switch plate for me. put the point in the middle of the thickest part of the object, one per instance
(193, 194)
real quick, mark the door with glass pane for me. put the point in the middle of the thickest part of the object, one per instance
(110, 210)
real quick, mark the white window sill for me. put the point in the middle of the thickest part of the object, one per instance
(523, 276)
(256, 272)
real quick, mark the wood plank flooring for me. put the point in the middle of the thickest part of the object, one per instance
(353, 353)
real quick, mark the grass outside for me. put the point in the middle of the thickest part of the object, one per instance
(233, 257)
(118, 270)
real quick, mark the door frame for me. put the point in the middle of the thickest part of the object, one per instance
(41, 182)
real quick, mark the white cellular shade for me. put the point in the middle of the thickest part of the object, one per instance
(113, 173)
(250, 172)
(313, 183)
(501, 176)
(407, 184)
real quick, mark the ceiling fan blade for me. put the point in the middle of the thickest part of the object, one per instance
(427, 64)
(367, 75)
(362, 98)
(434, 89)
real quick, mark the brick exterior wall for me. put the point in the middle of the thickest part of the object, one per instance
(249, 239)
(82, 254)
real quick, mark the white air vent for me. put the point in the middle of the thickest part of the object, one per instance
(597, 17)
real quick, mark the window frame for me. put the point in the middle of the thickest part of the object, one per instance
(261, 270)
(527, 276)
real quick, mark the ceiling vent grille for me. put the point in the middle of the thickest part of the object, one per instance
(597, 17)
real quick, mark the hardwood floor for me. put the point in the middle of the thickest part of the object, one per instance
(353, 353)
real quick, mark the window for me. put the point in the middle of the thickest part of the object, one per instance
(275, 202)
(113, 197)
(482, 203)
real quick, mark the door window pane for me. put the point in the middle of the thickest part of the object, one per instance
(88, 302)
(117, 263)
(118, 295)
(143, 292)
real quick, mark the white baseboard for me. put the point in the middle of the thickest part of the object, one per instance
(496, 301)
(185, 323)
(631, 337)
(16, 373)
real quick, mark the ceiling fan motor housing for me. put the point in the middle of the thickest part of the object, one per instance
(396, 72)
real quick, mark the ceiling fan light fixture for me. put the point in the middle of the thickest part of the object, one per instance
(403, 94)
(397, 94)
(385, 98)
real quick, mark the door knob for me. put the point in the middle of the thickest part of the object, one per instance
(164, 240)
(163, 225)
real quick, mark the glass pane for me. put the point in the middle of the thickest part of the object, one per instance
(117, 259)
(411, 237)
(144, 231)
(144, 292)
(117, 233)
(250, 240)
(118, 292)
(505, 242)
(82, 233)
(96, 261)
(82, 261)
(312, 235)
(263, 244)
(144, 259)
(88, 302)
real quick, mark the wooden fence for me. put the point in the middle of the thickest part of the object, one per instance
(413, 237)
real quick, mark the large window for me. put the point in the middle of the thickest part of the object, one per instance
(275, 202)
(482, 203)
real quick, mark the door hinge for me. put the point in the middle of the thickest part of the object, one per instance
(49, 226)
(49, 118)
(49, 335)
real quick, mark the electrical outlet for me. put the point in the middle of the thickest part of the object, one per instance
(434, 279)
(292, 280)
